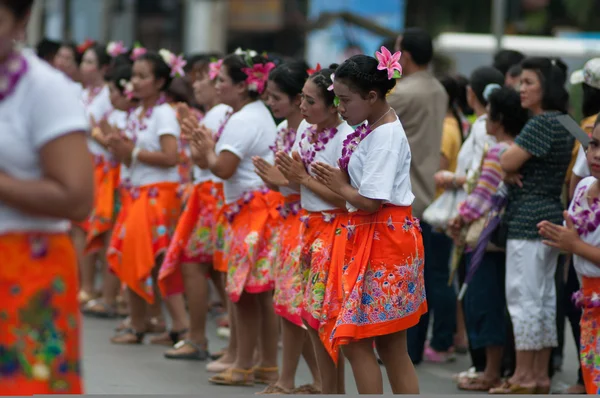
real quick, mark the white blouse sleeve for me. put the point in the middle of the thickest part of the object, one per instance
(166, 121)
(581, 168)
(238, 137)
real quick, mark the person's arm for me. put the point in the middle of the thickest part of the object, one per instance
(167, 157)
(223, 165)
(66, 188)
(323, 192)
(514, 158)
(535, 140)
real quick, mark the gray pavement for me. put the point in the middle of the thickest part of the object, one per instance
(111, 369)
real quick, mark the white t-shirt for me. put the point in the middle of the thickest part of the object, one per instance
(99, 107)
(329, 155)
(581, 168)
(119, 119)
(213, 120)
(380, 166)
(163, 121)
(42, 108)
(282, 129)
(580, 204)
(250, 132)
(471, 152)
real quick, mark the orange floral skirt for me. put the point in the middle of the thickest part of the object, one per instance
(289, 290)
(106, 181)
(382, 283)
(219, 234)
(39, 315)
(590, 334)
(251, 243)
(142, 233)
(193, 238)
(321, 261)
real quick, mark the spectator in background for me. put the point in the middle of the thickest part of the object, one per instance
(47, 49)
(67, 60)
(421, 103)
(504, 60)
(462, 103)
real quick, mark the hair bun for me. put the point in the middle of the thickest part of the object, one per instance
(334, 66)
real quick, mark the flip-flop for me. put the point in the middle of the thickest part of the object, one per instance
(508, 388)
(273, 389)
(477, 384)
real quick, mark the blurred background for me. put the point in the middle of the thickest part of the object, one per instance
(468, 32)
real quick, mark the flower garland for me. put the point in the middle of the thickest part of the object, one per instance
(351, 143)
(584, 220)
(11, 73)
(292, 208)
(136, 125)
(246, 198)
(219, 132)
(284, 141)
(92, 93)
(582, 301)
(316, 143)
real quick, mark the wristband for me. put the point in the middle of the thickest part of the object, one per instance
(134, 154)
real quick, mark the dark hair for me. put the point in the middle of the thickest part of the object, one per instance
(159, 67)
(101, 54)
(552, 74)
(181, 91)
(591, 100)
(505, 108)
(461, 100)
(480, 79)
(453, 91)
(389, 43)
(322, 79)
(235, 63)
(118, 75)
(73, 47)
(204, 59)
(515, 71)
(47, 49)
(505, 59)
(290, 77)
(19, 7)
(417, 42)
(360, 73)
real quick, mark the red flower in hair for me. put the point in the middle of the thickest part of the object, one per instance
(258, 76)
(313, 71)
(83, 47)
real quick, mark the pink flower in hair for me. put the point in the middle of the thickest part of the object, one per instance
(176, 63)
(116, 48)
(389, 62)
(138, 52)
(258, 76)
(214, 68)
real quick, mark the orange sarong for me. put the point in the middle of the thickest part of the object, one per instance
(321, 261)
(39, 315)
(587, 298)
(142, 233)
(193, 238)
(102, 218)
(289, 290)
(251, 243)
(382, 285)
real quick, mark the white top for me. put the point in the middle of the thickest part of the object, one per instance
(42, 108)
(163, 121)
(329, 155)
(250, 132)
(471, 152)
(213, 120)
(380, 166)
(119, 119)
(581, 168)
(281, 129)
(99, 107)
(583, 266)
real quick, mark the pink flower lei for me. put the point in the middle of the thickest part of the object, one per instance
(284, 141)
(92, 94)
(219, 132)
(351, 143)
(136, 124)
(316, 143)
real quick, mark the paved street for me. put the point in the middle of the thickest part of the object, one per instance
(111, 369)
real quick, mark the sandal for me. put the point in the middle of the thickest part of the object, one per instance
(126, 324)
(98, 308)
(467, 374)
(84, 297)
(265, 375)
(200, 353)
(273, 389)
(507, 388)
(542, 390)
(477, 384)
(128, 337)
(306, 389)
(217, 355)
(217, 367)
(227, 378)
(169, 339)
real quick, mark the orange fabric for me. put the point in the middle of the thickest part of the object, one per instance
(39, 315)
(382, 287)
(219, 231)
(289, 290)
(590, 335)
(321, 260)
(142, 233)
(251, 243)
(193, 238)
(106, 181)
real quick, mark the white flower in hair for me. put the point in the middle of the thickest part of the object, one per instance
(252, 53)
(239, 51)
(167, 56)
(253, 87)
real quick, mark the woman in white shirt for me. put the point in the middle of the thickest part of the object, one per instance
(319, 139)
(46, 180)
(383, 290)
(92, 237)
(251, 235)
(143, 232)
(581, 236)
(284, 95)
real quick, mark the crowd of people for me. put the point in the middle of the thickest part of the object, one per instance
(332, 210)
